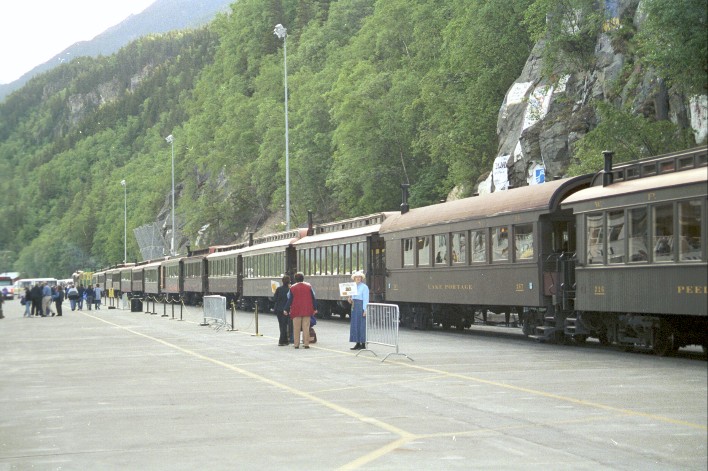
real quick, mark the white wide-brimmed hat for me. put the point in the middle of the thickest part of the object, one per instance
(359, 273)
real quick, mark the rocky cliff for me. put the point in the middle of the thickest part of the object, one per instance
(541, 119)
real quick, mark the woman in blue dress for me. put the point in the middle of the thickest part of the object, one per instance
(359, 301)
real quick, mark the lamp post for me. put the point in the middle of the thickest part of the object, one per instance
(282, 33)
(125, 221)
(171, 140)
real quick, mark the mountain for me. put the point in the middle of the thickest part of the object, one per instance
(160, 17)
(371, 104)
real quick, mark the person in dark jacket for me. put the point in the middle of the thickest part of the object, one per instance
(301, 304)
(280, 298)
(36, 297)
(58, 299)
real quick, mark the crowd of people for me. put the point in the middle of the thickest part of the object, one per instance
(44, 300)
(296, 308)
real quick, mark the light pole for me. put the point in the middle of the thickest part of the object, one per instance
(282, 33)
(171, 140)
(125, 221)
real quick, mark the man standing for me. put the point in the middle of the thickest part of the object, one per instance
(280, 298)
(46, 299)
(301, 305)
(97, 296)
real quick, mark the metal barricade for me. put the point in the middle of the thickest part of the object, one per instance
(215, 311)
(382, 322)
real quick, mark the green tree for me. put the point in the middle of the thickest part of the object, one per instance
(629, 136)
(673, 39)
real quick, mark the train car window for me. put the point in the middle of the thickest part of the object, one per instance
(359, 256)
(638, 235)
(408, 252)
(441, 250)
(459, 248)
(615, 239)
(317, 261)
(479, 246)
(335, 260)
(500, 244)
(345, 259)
(690, 224)
(423, 246)
(523, 242)
(595, 239)
(663, 233)
(342, 258)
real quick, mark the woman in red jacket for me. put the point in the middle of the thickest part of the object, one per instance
(301, 304)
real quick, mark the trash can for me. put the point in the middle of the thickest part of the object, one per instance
(136, 305)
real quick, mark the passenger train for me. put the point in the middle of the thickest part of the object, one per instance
(620, 256)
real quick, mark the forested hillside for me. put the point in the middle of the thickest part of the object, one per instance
(381, 92)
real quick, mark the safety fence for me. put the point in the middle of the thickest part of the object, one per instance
(215, 312)
(382, 322)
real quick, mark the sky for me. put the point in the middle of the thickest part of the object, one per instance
(34, 31)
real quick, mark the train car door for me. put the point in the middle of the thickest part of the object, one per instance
(377, 268)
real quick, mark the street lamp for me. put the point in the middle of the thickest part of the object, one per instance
(282, 33)
(171, 140)
(125, 221)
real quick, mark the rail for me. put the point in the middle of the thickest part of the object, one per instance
(382, 321)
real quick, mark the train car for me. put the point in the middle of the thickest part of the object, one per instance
(172, 279)
(145, 278)
(641, 267)
(151, 279)
(136, 280)
(113, 282)
(261, 265)
(126, 279)
(334, 251)
(195, 276)
(224, 271)
(448, 261)
(83, 278)
(99, 278)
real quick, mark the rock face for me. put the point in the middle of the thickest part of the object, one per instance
(540, 120)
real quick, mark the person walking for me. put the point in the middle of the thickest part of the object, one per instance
(27, 297)
(58, 299)
(280, 298)
(46, 300)
(301, 304)
(82, 295)
(73, 294)
(90, 292)
(359, 302)
(97, 296)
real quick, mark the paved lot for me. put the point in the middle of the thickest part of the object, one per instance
(114, 389)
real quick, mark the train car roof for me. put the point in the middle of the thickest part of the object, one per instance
(147, 265)
(358, 231)
(172, 261)
(252, 248)
(543, 197)
(667, 180)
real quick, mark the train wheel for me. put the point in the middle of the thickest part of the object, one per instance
(603, 338)
(663, 342)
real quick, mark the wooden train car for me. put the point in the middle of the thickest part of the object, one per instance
(642, 263)
(334, 251)
(447, 261)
